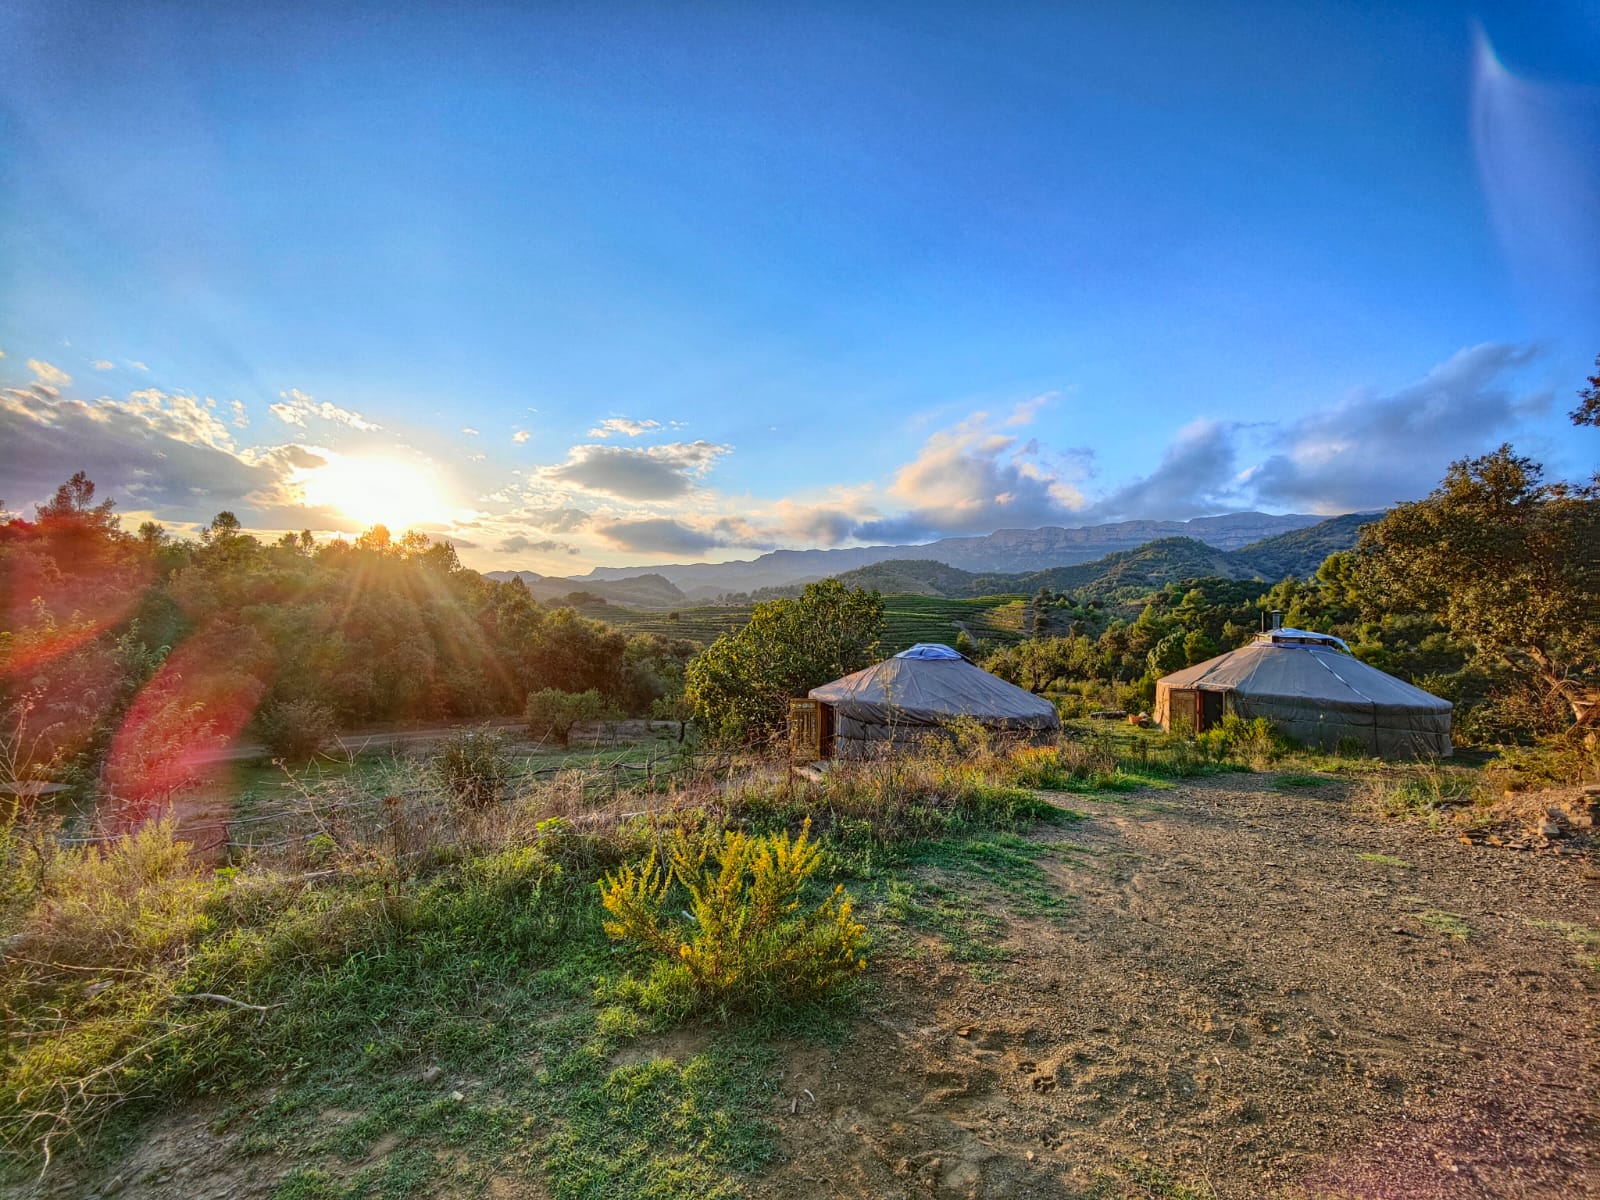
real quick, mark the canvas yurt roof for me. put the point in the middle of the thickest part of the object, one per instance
(1316, 691)
(931, 684)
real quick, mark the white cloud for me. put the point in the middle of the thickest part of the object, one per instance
(974, 478)
(1374, 449)
(623, 425)
(520, 436)
(469, 431)
(137, 365)
(297, 406)
(656, 473)
(1196, 476)
(240, 417)
(104, 364)
(50, 376)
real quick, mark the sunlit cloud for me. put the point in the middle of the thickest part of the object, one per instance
(624, 426)
(104, 364)
(654, 473)
(47, 374)
(520, 436)
(296, 407)
(469, 431)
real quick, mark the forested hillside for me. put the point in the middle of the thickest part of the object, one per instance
(126, 655)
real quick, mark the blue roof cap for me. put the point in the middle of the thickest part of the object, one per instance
(933, 650)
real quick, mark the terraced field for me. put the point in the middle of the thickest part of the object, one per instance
(908, 619)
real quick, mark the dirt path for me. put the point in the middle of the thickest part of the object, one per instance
(1234, 999)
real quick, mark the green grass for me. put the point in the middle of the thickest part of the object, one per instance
(966, 891)
(1295, 781)
(1447, 923)
(1384, 860)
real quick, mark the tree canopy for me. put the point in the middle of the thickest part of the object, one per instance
(1509, 564)
(741, 685)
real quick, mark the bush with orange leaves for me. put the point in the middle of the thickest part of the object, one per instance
(721, 916)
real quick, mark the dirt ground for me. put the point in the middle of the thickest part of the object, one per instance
(1237, 1000)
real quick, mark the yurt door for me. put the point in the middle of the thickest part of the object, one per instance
(1210, 711)
(810, 729)
(1183, 708)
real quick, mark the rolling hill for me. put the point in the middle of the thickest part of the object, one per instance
(1006, 550)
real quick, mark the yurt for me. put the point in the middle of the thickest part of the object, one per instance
(1312, 688)
(909, 699)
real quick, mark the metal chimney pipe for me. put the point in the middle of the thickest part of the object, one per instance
(1277, 618)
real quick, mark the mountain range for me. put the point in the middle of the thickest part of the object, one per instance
(1237, 545)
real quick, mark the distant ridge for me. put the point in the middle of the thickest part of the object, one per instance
(1008, 550)
(1166, 560)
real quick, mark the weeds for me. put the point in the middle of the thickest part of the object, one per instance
(1420, 791)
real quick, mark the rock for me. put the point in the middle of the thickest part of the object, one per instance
(457, 1097)
(1551, 830)
(431, 1075)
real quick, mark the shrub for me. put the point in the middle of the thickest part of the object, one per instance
(551, 713)
(744, 939)
(472, 766)
(297, 729)
(1256, 742)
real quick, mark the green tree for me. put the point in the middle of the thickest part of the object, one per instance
(1508, 564)
(1588, 410)
(741, 684)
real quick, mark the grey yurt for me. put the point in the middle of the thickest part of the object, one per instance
(1314, 690)
(910, 698)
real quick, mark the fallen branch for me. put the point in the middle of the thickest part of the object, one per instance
(260, 1008)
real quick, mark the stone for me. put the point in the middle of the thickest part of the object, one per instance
(431, 1075)
(1551, 830)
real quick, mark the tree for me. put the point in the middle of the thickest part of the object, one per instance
(1588, 410)
(741, 684)
(1508, 564)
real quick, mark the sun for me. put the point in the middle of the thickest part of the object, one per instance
(377, 491)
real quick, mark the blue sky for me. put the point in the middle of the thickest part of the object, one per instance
(702, 280)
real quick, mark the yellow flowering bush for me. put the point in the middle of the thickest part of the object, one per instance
(723, 918)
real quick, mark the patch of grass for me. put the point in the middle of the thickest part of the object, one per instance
(1585, 937)
(1420, 792)
(1293, 782)
(1384, 860)
(1449, 924)
(657, 1128)
(962, 890)
(1129, 1180)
